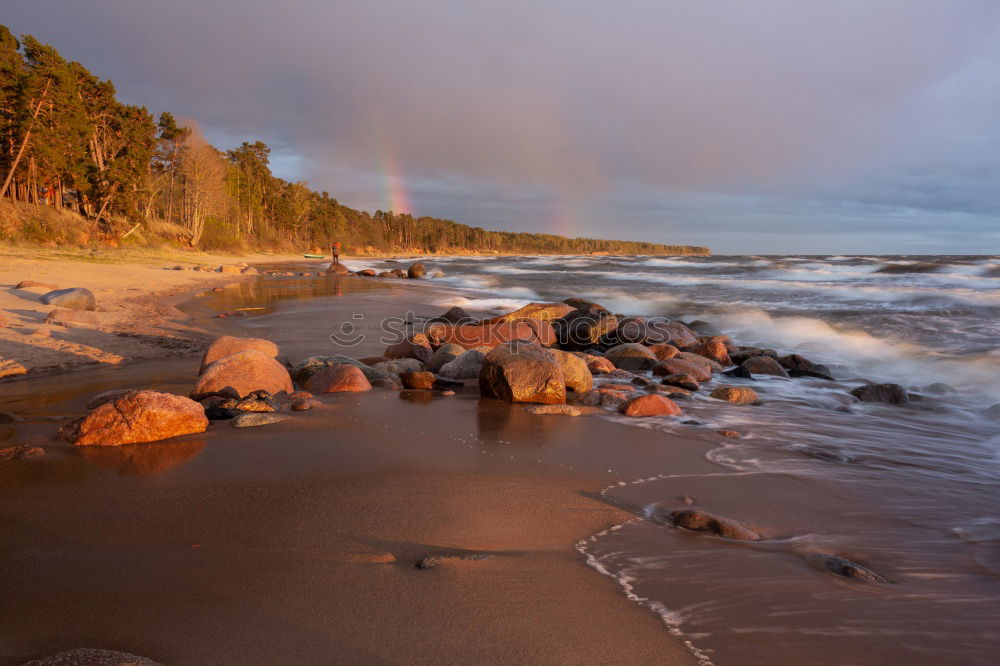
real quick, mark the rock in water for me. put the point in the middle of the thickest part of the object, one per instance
(848, 569)
(700, 521)
(20, 452)
(893, 394)
(416, 271)
(541, 311)
(676, 366)
(764, 365)
(583, 328)
(252, 419)
(491, 335)
(560, 410)
(444, 354)
(228, 345)
(314, 364)
(92, 657)
(739, 395)
(663, 351)
(417, 380)
(522, 372)
(415, 346)
(633, 357)
(714, 348)
(245, 371)
(576, 374)
(456, 315)
(75, 298)
(302, 404)
(649, 405)
(681, 381)
(465, 366)
(338, 379)
(141, 416)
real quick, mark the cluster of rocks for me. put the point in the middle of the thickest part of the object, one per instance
(414, 272)
(227, 269)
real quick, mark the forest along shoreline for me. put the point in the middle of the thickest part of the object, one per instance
(546, 360)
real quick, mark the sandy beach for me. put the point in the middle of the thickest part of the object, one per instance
(298, 542)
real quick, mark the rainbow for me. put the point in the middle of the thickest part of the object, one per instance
(394, 196)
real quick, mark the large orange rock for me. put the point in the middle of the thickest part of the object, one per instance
(227, 345)
(542, 311)
(740, 395)
(139, 416)
(713, 348)
(244, 372)
(576, 374)
(663, 351)
(522, 372)
(676, 366)
(338, 379)
(650, 405)
(675, 333)
(492, 335)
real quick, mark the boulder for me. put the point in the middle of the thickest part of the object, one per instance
(522, 372)
(893, 394)
(27, 284)
(701, 521)
(467, 365)
(848, 569)
(249, 270)
(455, 315)
(673, 332)
(691, 357)
(542, 311)
(417, 380)
(560, 410)
(713, 348)
(601, 397)
(764, 365)
(442, 355)
(416, 271)
(739, 372)
(73, 318)
(749, 352)
(629, 330)
(633, 357)
(576, 374)
(414, 346)
(649, 405)
(230, 269)
(367, 272)
(75, 298)
(302, 404)
(677, 366)
(314, 364)
(137, 417)
(576, 302)
(703, 328)
(583, 328)
(662, 351)
(387, 274)
(245, 372)
(108, 396)
(399, 366)
(228, 345)
(686, 382)
(596, 364)
(398, 272)
(618, 373)
(799, 366)
(338, 269)
(492, 335)
(739, 395)
(338, 379)
(253, 419)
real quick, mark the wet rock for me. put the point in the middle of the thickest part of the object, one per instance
(738, 395)
(561, 410)
(491, 335)
(749, 352)
(314, 364)
(649, 405)
(618, 373)
(216, 412)
(227, 345)
(677, 366)
(338, 269)
(577, 303)
(642, 381)
(249, 270)
(629, 330)
(519, 372)
(367, 272)
(812, 373)
(415, 346)
(75, 298)
(663, 351)
(729, 434)
(739, 372)
(541, 311)
(416, 271)
(338, 379)
(256, 401)
(20, 452)
(456, 315)
(673, 332)
(583, 328)
(683, 381)
(387, 274)
(703, 328)
(444, 354)
(670, 391)
(576, 374)
(700, 521)
(632, 357)
(27, 284)
(73, 318)
(417, 380)
(467, 365)
(939, 388)
(596, 364)
(373, 361)
(10, 417)
(230, 269)
(399, 272)
(915, 267)
(302, 404)
(848, 569)
(245, 372)
(253, 419)
(93, 657)
(690, 357)
(601, 397)
(140, 416)
(108, 396)
(399, 366)
(446, 385)
(714, 349)
(892, 394)
(299, 395)
(764, 365)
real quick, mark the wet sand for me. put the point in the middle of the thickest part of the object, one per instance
(297, 542)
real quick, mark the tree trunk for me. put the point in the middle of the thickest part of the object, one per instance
(24, 143)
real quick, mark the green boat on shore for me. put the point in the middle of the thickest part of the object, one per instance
(313, 256)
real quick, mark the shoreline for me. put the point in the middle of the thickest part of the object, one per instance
(495, 493)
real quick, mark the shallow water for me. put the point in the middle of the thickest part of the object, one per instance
(912, 492)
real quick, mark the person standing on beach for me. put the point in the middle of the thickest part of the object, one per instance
(335, 251)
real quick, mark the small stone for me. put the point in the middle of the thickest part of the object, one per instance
(731, 434)
(650, 405)
(417, 380)
(448, 392)
(251, 419)
(302, 404)
(20, 452)
(893, 394)
(683, 381)
(700, 521)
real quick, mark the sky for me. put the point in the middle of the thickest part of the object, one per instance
(765, 126)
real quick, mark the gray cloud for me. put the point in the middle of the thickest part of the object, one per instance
(704, 122)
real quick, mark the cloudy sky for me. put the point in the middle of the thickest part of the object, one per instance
(749, 126)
